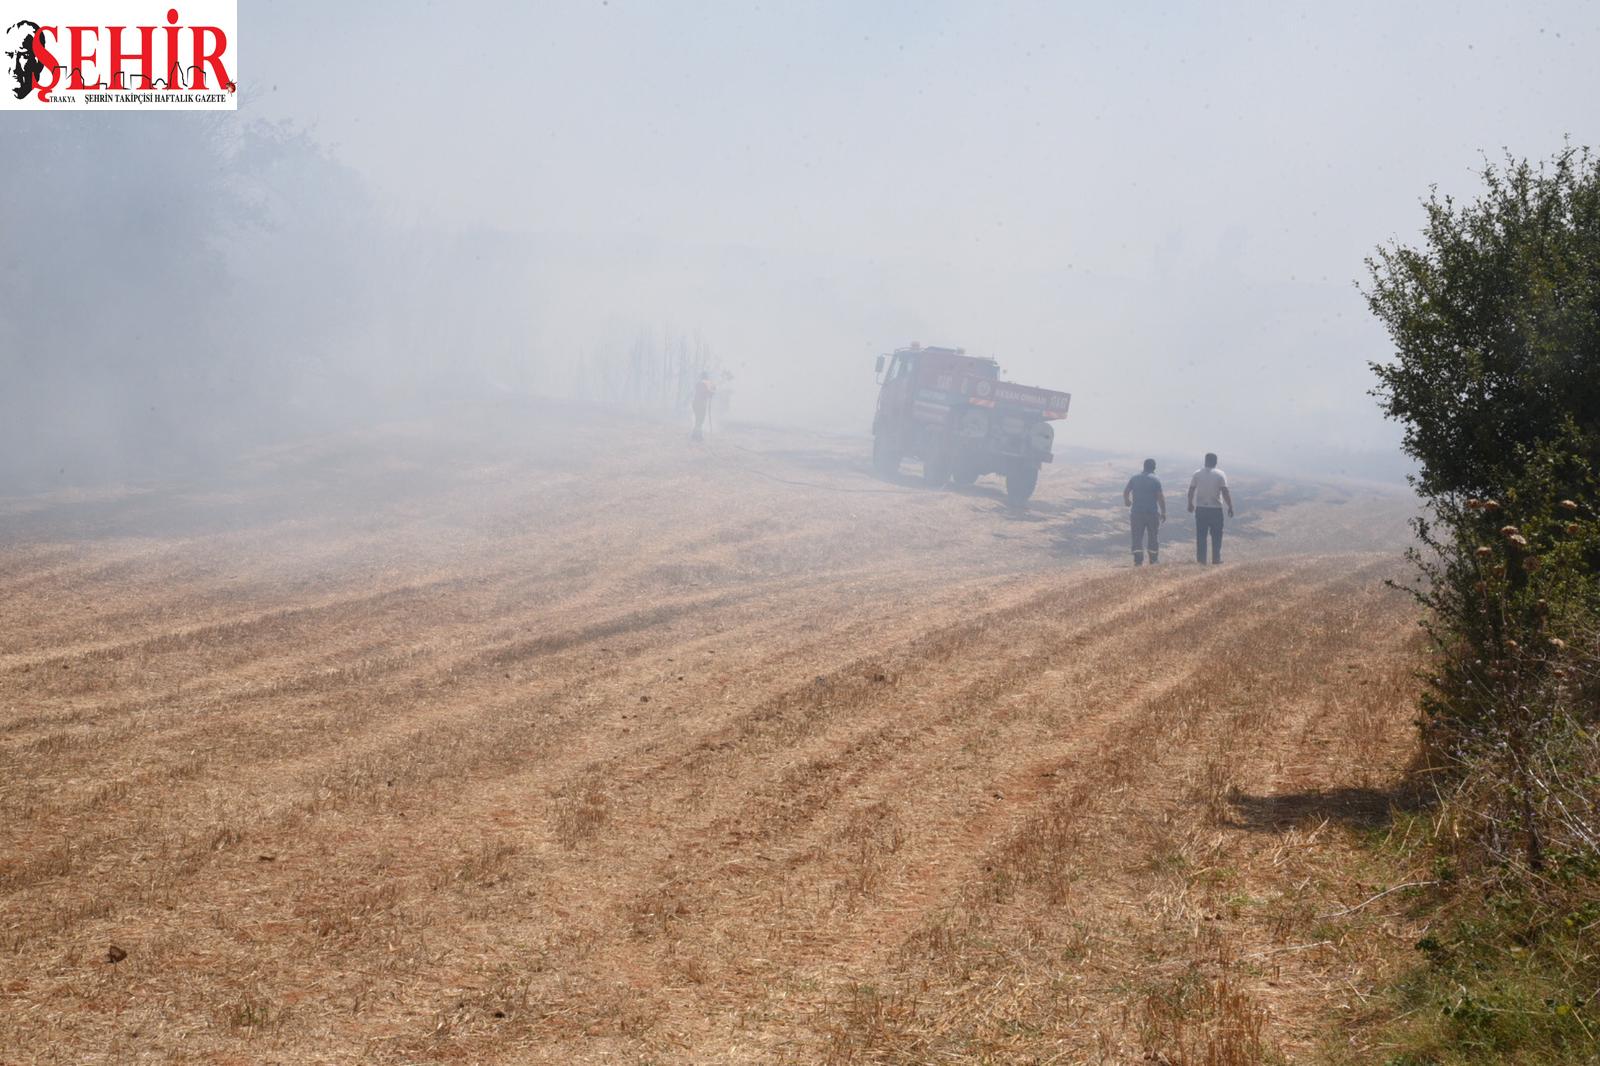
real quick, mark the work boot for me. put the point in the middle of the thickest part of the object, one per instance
(1154, 558)
(1138, 558)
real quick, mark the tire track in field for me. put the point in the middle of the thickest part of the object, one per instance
(853, 766)
(711, 868)
(1112, 737)
(352, 762)
(1076, 800)
(856, 775)
(257, 766)
(765, 754)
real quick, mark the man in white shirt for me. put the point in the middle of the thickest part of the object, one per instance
(1208, 491)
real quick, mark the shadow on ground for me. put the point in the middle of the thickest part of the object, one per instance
(1358, 808)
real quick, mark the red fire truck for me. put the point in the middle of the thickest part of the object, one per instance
(952, 411)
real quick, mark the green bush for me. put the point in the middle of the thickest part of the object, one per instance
(1495, 321)
(1496, 324)
(1512, 708)
(1496, 376)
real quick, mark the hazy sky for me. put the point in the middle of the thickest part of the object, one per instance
(1160, 208)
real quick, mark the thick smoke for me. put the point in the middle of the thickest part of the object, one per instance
(1162, 213)
(180, 287)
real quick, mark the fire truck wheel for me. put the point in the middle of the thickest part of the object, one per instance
(885, 456)
(935, 471)
(1020, 484)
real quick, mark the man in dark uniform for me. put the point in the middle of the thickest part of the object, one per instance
(1147, 509)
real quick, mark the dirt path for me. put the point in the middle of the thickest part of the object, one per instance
(441, 749)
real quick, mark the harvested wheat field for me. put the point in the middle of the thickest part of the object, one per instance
(565, 742)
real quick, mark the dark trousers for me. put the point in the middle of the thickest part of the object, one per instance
(1145, 527)
(1207, 522)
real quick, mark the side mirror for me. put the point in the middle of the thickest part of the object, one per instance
(880, 364)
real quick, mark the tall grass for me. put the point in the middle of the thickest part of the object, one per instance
(1510, 971)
